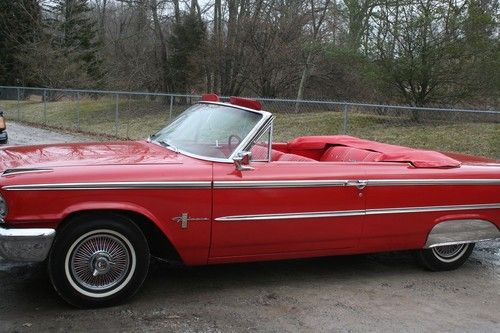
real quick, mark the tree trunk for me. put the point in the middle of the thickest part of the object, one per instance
(163, 47)
(302, 84)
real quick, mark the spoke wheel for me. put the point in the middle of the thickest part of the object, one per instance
(99, 262)
(445, 257)
(449, 253)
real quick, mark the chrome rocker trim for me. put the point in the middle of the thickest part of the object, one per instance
(340, 213)
(460, 232)
(26, 244)
(110, 186)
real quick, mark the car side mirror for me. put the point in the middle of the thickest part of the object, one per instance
(242, 161)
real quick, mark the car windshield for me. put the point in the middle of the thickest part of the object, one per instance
(209, 130)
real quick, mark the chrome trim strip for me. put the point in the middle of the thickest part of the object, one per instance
(279, 183)
(109, 186)
(339, 182)
(266, 118)
(404, 182)
(342, 213)
(233, 106)
(10, 172)
(424, 209)
(460, 242)
(288, 216)
(199, 157)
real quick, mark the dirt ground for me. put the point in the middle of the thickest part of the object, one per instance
(379, 292)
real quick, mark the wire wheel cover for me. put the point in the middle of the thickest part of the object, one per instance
(100, 262)
(449, 252)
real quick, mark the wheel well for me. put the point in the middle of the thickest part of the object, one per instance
(159, 244)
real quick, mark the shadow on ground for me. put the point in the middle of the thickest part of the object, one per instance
(377, 292)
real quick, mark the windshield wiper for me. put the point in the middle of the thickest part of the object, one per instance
(165, 144)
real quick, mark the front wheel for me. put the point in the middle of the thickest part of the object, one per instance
(446, 257)
(98, 261)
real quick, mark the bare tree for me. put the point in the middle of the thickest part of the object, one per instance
(317, 11)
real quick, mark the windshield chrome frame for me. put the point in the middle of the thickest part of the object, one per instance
(256, 130)
(268, 125)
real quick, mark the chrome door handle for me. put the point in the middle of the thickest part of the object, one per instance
(359, 184)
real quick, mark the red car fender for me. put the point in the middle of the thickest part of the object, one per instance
(123, 206)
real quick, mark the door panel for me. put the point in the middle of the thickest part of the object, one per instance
(256, 214)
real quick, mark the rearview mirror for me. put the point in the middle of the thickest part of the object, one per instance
(242, 161)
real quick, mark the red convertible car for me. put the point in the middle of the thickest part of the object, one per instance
(212, 187)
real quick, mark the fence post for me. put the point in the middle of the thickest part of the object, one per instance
(346, 118)
(18, 104)
(171, 106)
(45, 107)
(127, 116)
(78, 111)
(117, 115)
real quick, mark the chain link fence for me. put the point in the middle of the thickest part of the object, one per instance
(134, 115)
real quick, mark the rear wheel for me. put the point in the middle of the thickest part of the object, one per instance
(446, 257)
(98, 260)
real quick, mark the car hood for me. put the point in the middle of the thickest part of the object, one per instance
(85, 154)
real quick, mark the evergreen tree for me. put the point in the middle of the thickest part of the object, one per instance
(481, 49)
(185, 43)
(77, 35)
(19, 25)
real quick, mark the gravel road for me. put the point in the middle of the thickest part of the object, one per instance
(384, 292)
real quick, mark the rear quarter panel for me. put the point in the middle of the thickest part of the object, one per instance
(409, 230)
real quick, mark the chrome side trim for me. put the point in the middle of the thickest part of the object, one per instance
(240, 184)
(461, 231)
(10, 172)
(357, 183)
(26, 244)
(341, 213)
(405, 182)
(109, 186)
(288, 216)
(424, 209)
(279, 183)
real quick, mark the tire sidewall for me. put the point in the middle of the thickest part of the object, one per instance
(70, 233)
(429, 259)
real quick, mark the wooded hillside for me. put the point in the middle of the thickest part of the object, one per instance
(416, 52)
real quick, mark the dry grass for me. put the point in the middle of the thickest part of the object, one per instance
(139, 118)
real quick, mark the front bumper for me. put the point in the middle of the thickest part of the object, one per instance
(26, 244)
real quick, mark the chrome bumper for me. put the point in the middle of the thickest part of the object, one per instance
(25, 244)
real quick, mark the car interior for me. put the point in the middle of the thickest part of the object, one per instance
(343, 148)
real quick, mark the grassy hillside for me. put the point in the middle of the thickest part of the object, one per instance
(139, 118)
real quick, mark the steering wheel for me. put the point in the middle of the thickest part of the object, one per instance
(230, 144)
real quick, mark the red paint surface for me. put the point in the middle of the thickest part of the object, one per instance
(245, 102)
(213, 242)
(210, 98)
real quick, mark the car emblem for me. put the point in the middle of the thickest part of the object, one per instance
(184, 219)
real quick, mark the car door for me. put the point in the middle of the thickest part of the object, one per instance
(285, 210)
